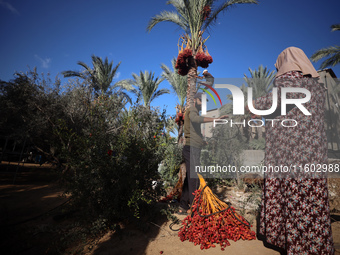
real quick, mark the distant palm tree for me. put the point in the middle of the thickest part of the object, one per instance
(100, 76)
(178, 82)
(179, 85)
(145, 86)
(260, 80)
(194, 17)
(333, 53)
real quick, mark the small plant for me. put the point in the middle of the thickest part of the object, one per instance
(169, 213)
(251, 202)
(258, 144)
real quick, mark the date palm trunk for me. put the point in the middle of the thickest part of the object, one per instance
(180, 137)
(192, 78)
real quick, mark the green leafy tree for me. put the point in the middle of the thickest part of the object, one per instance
(100, 75)
(30, 105)
(145, 87)
(332, 53)
(179, 85)
(109, 155)
(194, 17)
(17, 99)
(114, 158)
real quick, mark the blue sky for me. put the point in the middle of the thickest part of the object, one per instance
(54, 34)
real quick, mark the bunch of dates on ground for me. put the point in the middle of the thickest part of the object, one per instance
(214, 229)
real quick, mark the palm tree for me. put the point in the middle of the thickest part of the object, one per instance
(179, 85)
(194, 17)
(333, 53)
(260, 80)
(145, 86)
(178, 82)
(100, 76)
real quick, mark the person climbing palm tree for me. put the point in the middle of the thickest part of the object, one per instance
(209, 79)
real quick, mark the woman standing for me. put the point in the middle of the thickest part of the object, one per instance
(295, 212)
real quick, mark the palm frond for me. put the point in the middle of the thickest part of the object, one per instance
(332, 53)
(104, 72)
(144, 86)
(178, 4)
(261, 80)
(124, 95)
(168, 16)
(159, 93)
(178, 83)
(223, 8)
(83, 64)
(335, 27)
(73, 74)
(124, 84)
(100, 76)
(114, 70)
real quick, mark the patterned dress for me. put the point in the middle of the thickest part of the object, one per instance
(295, 212)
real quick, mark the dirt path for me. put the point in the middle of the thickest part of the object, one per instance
(26, 202)
(167, 241)
(34, 191)
(163, 239)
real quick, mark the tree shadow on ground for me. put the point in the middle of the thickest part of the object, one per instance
(133, 238)
(36, 219)
(26, 205)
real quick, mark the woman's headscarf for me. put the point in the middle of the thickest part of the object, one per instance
(294, 59)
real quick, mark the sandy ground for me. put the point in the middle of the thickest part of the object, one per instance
(27, 223)
(163, 239)
(167, 241)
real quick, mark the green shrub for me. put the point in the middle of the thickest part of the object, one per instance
(113, 158)
(258, 144)
(171, 163)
